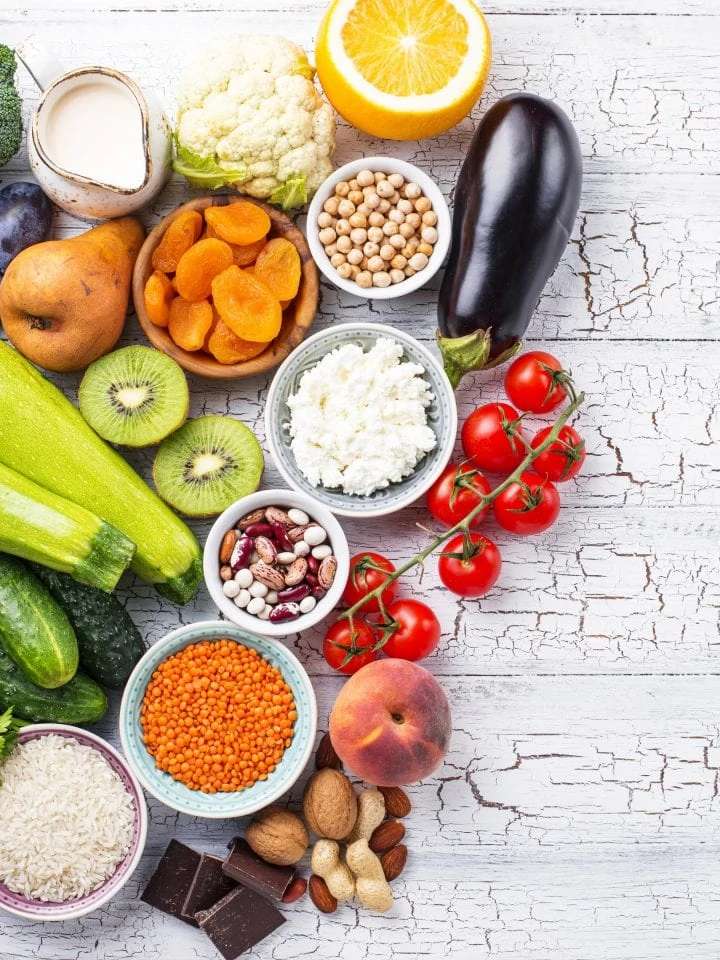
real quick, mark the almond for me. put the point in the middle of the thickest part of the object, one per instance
(296, 890)
(326, 756)
(320, 895)
(397, 802)
(393, 862)
(386, 836)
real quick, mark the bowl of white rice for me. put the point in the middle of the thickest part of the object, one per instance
(74, 823)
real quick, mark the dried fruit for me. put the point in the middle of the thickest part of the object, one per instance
(245, 305)
(297, 889)
(228, 348)
(180, 235)
(320, 895)
(241, 222)
(189, 323)
(397, 802)
(326, 756)
(393, 862)
(277, 835)
(330, 804)
(246, 254)
(386, 836)
(157, 297)
(278, 267)
(199, 265)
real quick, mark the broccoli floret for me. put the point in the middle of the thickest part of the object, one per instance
(11, 128)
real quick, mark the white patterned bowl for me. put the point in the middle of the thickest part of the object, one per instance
(441, 418)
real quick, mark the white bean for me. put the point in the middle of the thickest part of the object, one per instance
(264, 614)
(256, 605)
(298, 516)
(242, 599)
(271, 597)
(231, 588)
(258, 589)
(243, 577)
(307, 604)
(285, 557)
(302, 549)
(324, 550)
(315, 535)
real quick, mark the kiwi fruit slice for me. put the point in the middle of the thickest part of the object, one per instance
(208, 464)
(135, 396)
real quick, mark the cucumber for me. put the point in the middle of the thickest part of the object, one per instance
(39, 525)
(44, 437)
(79, 701)
(109, 642)
(34, 630)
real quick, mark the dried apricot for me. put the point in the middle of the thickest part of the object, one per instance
(246, 254)
(241, 222)
(157, 296)
(247, 306)
(278, 267)
(228, 348)
(190, 322)
(203, 261)
(177, 240)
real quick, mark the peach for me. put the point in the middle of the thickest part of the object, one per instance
(391, 723)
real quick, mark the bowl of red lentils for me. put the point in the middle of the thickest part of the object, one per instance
(217, 721)
(379, 227)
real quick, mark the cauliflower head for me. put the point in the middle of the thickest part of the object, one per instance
(249, 115)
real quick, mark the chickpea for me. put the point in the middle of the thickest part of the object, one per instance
(359, 236)
(429, 218)
(358, 220)
(409, 272)
(419, 261)
(372, 201)
(343, 228)
(331, 250)
(354, 271)
(381, 279)
(325, 220)
(375, 264)
(363, 209)
(342, 189)
(387, 252)
(363, 263)
(327, 236)
(406, 230)
(337, 259)
(414, 220)
(346, 208)
(425, 248)
(353, 184)
(344, 244)
(331, 206)
(355, 256)
(385, 189)
(396, 276)
(379, 176)
(390, 228)
(356, 196)
(384, 206)
(375, 234)
(405, 206)
(422, 205)
(395, 198)
(397, 240)
(397, 180)
(365, 178)
(398, 262)
(371, 249)
(376, 219)
(412, 191)
(364, 279)
(408, 252)
(344, 271)
(397, 216)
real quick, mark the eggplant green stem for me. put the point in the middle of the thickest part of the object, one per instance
(464, 525)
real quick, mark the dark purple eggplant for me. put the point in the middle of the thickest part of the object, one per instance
(515, 205)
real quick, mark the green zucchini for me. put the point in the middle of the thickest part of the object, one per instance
(109, 642)
(39, 525)
(44, 437)
(34, 630)
(79, 701)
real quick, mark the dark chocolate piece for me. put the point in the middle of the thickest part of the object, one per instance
(247, 868)
(208, 886)
(239, 921)
(169, 885)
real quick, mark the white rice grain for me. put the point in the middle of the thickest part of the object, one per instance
(67, 819)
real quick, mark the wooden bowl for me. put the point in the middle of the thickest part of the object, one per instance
(297, 318)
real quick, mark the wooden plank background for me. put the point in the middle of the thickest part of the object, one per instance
(577, 816)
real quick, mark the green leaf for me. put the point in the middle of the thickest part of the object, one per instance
(292, 193)
(9, 727)
(205, 172)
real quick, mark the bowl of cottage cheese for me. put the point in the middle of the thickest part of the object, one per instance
(362, 418)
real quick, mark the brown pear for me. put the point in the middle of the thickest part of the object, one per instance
(63, 302)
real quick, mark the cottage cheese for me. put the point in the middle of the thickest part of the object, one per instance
(358, 420)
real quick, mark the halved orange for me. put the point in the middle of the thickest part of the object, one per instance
(406, 69)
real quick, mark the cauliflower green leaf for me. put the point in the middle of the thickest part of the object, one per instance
(205, 172)
(292, 193)
(9, 727)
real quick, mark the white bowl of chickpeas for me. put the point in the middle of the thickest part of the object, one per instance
(378, 227)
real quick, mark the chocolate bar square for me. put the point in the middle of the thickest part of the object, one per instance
(239, 921)
(169, 885)
(209, 885)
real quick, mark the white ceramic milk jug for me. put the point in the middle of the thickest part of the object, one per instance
(98, 146)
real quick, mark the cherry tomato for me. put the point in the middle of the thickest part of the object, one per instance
(491, 438)
(564, 458)
(536, 382)
(417, 632)
(367, 572)
(529, 506)
(456, 492)
(469, 565)
(343, 645)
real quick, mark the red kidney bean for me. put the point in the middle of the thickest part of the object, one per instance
(313, 564)
(284, 611)
(311, 579)
(294, 593)
(260, 530)
(317, 592)
(281, 538)
(241, 553)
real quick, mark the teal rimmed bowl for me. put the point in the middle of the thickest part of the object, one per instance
(218, 805)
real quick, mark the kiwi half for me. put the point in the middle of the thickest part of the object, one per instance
(135, 396)
(208, 464)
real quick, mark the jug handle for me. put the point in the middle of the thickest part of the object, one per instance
(39, 62)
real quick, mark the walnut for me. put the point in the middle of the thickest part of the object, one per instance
(330, 804)
(277, 835)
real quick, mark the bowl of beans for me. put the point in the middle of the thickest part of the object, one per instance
(378, 227)
(216, 721)
(276, 562)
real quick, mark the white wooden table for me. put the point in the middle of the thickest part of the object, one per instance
(577, 816)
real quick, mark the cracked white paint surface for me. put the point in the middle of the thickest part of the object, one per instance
(577, 816)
